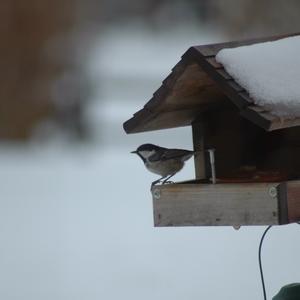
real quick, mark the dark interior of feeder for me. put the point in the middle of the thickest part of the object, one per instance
(245, 152)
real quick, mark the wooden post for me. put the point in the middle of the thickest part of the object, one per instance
(293, 196)
(200, 158)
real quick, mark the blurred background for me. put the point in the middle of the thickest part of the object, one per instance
(75, 207)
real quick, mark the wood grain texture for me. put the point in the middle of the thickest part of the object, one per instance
(215, 205)
(229, 87)
(293, 200)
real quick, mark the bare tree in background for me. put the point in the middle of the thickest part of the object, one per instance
(41, 48)
(38, 43)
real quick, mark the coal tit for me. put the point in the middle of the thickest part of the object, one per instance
(163, 161)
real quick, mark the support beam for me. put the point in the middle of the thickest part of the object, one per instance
(200, 158)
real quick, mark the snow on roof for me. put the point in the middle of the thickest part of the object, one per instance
(269, 71)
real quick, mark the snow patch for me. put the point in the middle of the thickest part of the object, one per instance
(270, 72)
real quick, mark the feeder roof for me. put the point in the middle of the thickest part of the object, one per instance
(197, 84)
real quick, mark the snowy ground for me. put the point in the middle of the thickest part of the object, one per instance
(76, 220)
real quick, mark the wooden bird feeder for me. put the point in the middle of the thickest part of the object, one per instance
(257, 154)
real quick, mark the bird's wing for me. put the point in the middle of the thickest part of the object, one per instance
(170, 154)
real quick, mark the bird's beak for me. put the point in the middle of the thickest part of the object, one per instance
(133, 152)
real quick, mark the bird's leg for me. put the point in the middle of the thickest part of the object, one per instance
(167, 179)
(157, 181)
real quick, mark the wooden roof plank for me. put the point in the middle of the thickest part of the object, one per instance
(280, 123)
(158, 120)
(229, 87)
(238, 89)
(267, 120)
(224, 74)
(181, 84)
(133, 123)
(245, 95)
(214, 63)
(166, 86)
(252, 115)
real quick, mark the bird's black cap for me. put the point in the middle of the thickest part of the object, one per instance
(147, 147)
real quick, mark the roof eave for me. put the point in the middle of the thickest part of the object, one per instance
(204, 57)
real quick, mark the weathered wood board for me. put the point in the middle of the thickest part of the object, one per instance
(219, 204)
(291, 206)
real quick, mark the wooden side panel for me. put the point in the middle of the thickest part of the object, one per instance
(225, 134)
(214, 205)
(293, 200)
(282, 203)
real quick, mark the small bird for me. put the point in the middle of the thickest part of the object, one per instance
(163, 161)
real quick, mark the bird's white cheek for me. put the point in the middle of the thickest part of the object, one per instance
(146, 154)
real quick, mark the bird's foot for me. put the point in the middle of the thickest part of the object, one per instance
(154, 183)
(167, 182)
